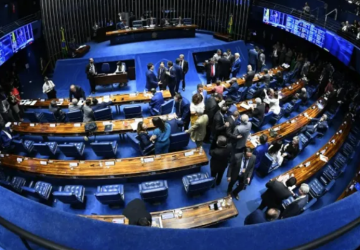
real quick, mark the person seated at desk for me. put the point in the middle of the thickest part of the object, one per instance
(95, 105)
(151, 22)
(303, 95)
(261, 150)
(56, 110)
(296, 207)
(120, 25)
(182, 109)
(76, 92)
(156, 101)
(88, 112)
(74, 105)
(219, 88)
(232, 92)
(120, 68)
(135, 211)
(6, 138)
(290, 150)
(110, 23)
(321, 125)
(179, 21)
(258, 111)
(258, 216)
(143, 135)
(164, 22)
(197, 105)
(273, 100)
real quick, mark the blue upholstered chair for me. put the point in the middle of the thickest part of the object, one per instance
(133, 112)
(105, 68)
(348, 150)
(24, 145)
(303, 141)
(353, 140)
(72, 149)
(105, 149)
(5, 180)
(34, 117)
(339, 162)
(167, 107)
(297, 105)
(103, 114)
(39, 189)
(272, 83)
(49, 117)
(179, 141)
(75, 116)
(133, 138)
(46, 148)
(257, 124)
(267, 165)
(70, 194)
(311, 202)
(17, 183)
(197, 183)
(319, 187)
(110, 194)
(154, 191)
(275, 118)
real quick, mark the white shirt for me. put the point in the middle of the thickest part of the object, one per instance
(274, 104)
(199, 109)
(47, 87)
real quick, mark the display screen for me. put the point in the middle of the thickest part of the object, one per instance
(331, 42)
(15, 41)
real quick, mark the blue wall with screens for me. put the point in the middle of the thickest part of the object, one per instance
(14, 41)
(331, 42)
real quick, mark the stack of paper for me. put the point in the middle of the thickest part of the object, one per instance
(106, 98)
(324, 158)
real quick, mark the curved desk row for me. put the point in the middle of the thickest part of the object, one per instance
(241, 81)
(109, 168)
(118, 99)
(199, 215)
(291, 126)
(353, 186)
(313, 164)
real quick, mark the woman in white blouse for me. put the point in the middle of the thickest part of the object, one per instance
(273, 101)
(49, 88)
(197, 105)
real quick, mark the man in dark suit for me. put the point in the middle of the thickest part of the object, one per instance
(151, 80)
(249, 77)
(219, 159)
(232, 120)
(240, 169)
(171, 78)
(253, 58)
(236, 65)
(156, 101)
(258, 216)
(230, 56)
(182, 109)
(135, 211)
(276, 192)
(76, 92)
(232, 92)
(185, 68)
(258, 112)
(297, 206)
(266, 78)
(162, 76)
(219, 125)
(224, 67)
(179, 74)
(211, 71)
(211, 107)
(90, 71)
(95, 105)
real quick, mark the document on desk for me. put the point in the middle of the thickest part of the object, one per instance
(324, 158)
(254, 141)
(135, 123)
(244, 105)
(106, 98)
(33, 103)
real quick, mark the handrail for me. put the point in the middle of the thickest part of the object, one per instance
(18, 23)
(334, 10)
(25, 235)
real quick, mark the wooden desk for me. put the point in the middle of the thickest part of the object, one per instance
(241, 81)
(303, 173)
(110, 79)
(80, 52)
(119, 99)
(97, 169)
(78, 129)
(350, 189)
(195, 216)
(292, 125)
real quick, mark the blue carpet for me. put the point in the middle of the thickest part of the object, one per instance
(72, 71)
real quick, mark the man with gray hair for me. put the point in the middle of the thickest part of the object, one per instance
(224, 67)
(217, 56)
(242, 133)
(74, 105)
(297, 206)
(249, 77)
(185, 68)
(236, 66)
(258, 111)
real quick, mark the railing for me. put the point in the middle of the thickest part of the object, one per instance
(18, 23)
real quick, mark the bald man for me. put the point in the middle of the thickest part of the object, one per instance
(91, 73)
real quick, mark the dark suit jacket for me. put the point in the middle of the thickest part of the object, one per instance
(253, 56)
(144, 139)
(259, 112)
(101, 105)
(211, 107)
(162, 76)
(171, 79)
(87, 71)
(249, 77)
(230, 130)
(5, 141)
(235, 165)
(179, 73)
(185, 67)
(233, 91)
(232, 60)
(219, 158)
(208, 71)
(266, 79)
(236, 66)
(155, 103)
(136, 210)
(182, 109)
(218, 125)
(151, 80)
(274, 195)
(295, 208)
(255, 217)
(79, 93)
(224, 67)
(260, 151)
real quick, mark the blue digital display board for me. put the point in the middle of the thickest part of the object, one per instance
(334, 44)
(14, 41)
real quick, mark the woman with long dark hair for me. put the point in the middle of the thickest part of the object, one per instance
(143, 135)
(161, 136)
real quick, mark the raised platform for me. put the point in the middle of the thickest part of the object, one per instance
(223, 37)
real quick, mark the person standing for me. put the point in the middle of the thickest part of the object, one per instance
(240, 170)
(49, 88)
(249, 77)
(151, 79)
(261, 61)
(253, 57)
(198, 130)
(161, 77)
(171, 78)
(230, 131)
(76, 92)
(5, 109)
(242, 132)
(91, 73)
(156, 101)
(224, 67)
(258, 112)
(182, 109)
(211, 71)
(236, 66)
(230, 56)
(185, 68)
(219, 159)
(219, 125)
(14, 100)
(179, 74)
(161, 136)
(211, 107)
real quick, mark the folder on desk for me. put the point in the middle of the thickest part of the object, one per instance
(244, 105)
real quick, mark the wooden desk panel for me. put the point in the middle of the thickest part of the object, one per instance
(292, 125)
(303, 173)
(110, 79)
(97, 169)
(195, 216)
(209, 88)
(69, 129)
(155, 29)
(118, 99)
(350, 189)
